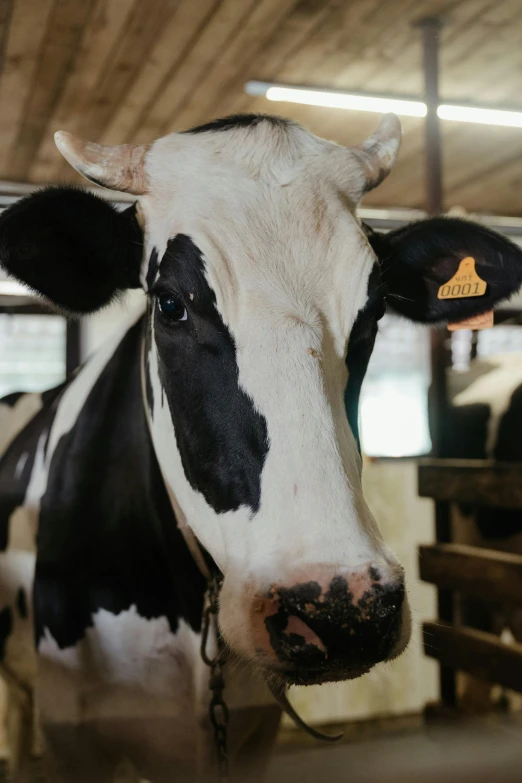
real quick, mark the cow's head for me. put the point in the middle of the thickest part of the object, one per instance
(264, 296)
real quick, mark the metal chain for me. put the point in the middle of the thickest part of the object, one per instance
(218, 710)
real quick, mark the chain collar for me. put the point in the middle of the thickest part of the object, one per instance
(218, 710)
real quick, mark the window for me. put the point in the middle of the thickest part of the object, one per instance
(394, 407)
(32, 352)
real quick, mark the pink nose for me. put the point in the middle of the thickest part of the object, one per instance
(334, 621)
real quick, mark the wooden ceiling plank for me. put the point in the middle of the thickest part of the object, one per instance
(227, 74)
(292, 36)
(403, 73)
(342, 36)
(335, 32)
(220, 28)
(144, 26)
(378, 57)
(61, 44)
(481, 171)
(167, 56)
(6, 10)
(99, 38)
(464, 77)
(21, 59)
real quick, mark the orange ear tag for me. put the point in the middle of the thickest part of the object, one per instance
(482, 321)
(464, 283)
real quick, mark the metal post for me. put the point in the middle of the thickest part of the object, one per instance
(439, 337)
(72, 346)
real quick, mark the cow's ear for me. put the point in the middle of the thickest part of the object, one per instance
(421, 257)
(72, 247)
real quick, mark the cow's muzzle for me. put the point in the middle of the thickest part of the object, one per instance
(332, 629)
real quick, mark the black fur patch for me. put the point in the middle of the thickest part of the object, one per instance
(422, 256)
(222, 439)
(152, 270)
(11, 399)
(126, 548)
(240, 121)
(21, 603)
(6, 627)
(360, 347)
(72, 247)
(13, 482)
(354, 633)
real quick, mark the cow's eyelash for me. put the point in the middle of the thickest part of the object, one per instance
(158, 289)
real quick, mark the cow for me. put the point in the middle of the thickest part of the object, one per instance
(214, 441)
(484, 421)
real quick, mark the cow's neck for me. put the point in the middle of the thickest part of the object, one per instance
(105, 480)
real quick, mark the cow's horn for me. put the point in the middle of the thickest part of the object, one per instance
(118, 168)
(379, 152)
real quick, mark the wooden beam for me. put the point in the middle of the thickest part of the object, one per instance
(483, 573)
(480, 654)
(480, 482)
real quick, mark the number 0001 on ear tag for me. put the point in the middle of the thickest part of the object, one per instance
(465, 282)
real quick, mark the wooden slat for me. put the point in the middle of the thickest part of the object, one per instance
(100, 35)
(480, 654)
(144, 26)
(206, 100)
(480, 482)
(21, 62)
(185, 26)
(59, 50)
(220, 28)
(6, 9)
(292, 36)
(483, 573)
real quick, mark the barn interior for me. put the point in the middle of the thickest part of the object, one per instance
(128, 72)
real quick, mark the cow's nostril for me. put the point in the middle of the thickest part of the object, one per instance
(298, 629)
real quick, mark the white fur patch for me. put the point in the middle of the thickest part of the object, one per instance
(495, 389)
(126, 666)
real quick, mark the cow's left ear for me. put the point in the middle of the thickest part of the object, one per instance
(72, 247)
(423, 256)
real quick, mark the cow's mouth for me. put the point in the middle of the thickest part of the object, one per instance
(320, 676)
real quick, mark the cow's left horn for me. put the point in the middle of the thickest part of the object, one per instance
(379, 152)
(118, 168)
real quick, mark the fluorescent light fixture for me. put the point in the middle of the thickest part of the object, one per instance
(483, 116)
(335, 100)
(12, 288)
(338, 99)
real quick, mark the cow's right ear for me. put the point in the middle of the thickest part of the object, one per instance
(72, 247)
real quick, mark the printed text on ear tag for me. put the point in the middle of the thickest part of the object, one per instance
(465, 282)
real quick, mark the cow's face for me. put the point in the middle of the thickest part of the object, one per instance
(264, 296)
(255, 285)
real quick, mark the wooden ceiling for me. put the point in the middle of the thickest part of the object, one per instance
(119, 71)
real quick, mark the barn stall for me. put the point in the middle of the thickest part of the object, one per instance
(121, 71)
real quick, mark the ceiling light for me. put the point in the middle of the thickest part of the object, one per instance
(483, 116)
(335, 100)
(338, 99)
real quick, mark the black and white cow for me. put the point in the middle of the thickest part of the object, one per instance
(218, 432)
(484, 421)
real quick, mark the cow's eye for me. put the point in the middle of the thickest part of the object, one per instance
(172, 308)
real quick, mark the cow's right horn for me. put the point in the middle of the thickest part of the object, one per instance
(118, 168)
